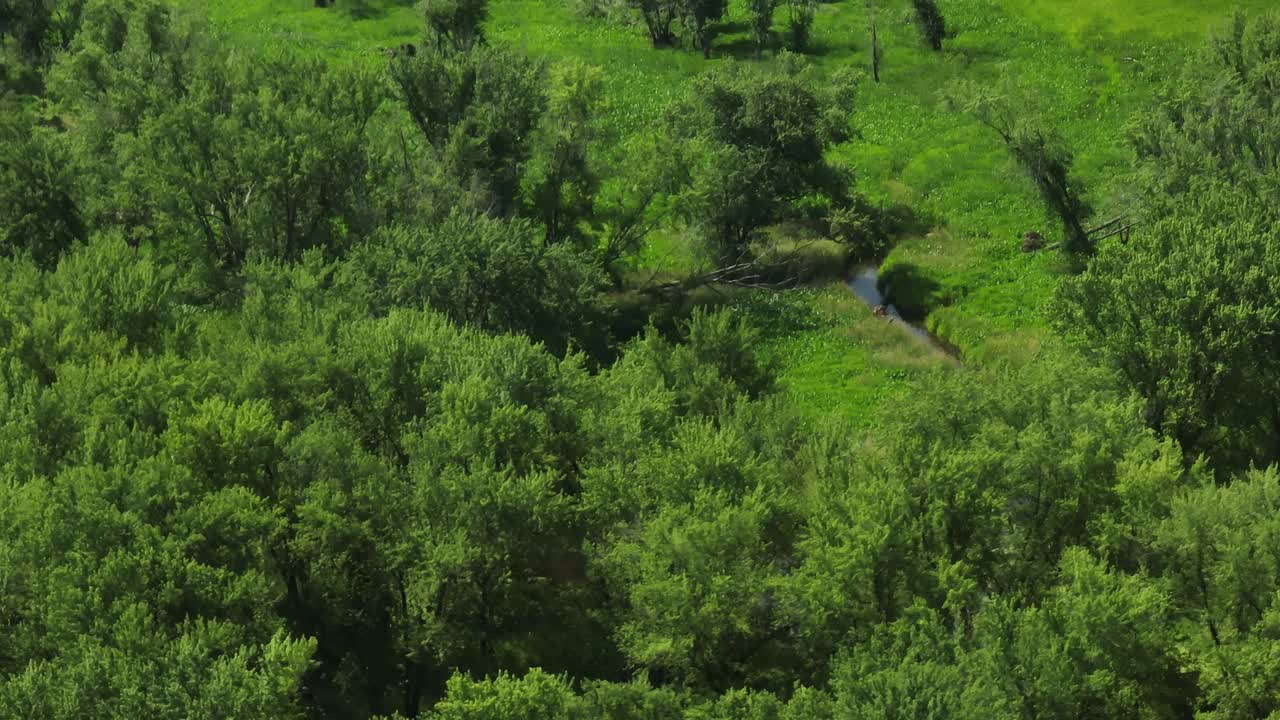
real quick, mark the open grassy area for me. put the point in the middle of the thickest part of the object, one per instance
(1164, 18)
(358, 30)
(836, 357)
(1085, 66)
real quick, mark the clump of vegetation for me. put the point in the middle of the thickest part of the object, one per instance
(457, 24)
(752, 144)
(696, 21)
(1186, 309)
(762, 24)
(659, 18)
(800, 14)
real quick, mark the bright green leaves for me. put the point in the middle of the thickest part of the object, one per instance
(1242, 679)
(419, 497)
(477, 110)
(1186, 312)
(857, 564)
(227, 539)
(1222, 547)
(1002, 475)
(203, 673)
(907, 670)
(696, 580)
(709, 371)
(108, 288)
(39, 216)
(1096, 647)
(559, 183)
(366, 459)
(751, 143)
(536, 695)
(227, 443)
(516, 134)
(487, 273)
(691, 538)
(238, 157)
(262, 158)
(457, 24)
(123, 566)
(1217, 126)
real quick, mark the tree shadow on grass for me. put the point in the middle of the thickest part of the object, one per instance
(371, 9)
(902, 220)
(738, 48)
(826, 46)
(910, 290)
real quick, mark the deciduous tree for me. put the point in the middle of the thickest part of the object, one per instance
(1039, 151)
(698, 18)
(39, 215)
(751, 144)
(1185, 312)
(455, 24)
(762, 24)
(478, 111)
(559, 183)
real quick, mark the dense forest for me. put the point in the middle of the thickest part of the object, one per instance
(492, 360)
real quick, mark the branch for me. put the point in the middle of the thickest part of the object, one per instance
(1119, 231)
(1110, 223)
(742, 273)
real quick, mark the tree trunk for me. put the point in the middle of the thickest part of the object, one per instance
(413, 675)
(875, 50)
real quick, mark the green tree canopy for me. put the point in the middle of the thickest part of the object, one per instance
(1186, 312)
(752, 143)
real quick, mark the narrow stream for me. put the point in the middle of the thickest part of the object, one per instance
(864, 282)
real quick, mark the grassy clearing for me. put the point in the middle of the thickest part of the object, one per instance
(1168, 18)
(358, 29)
(835, 357)
(1086, 66)
(970, 275)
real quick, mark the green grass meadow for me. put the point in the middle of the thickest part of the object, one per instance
(837, 358)
(1087, 66)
